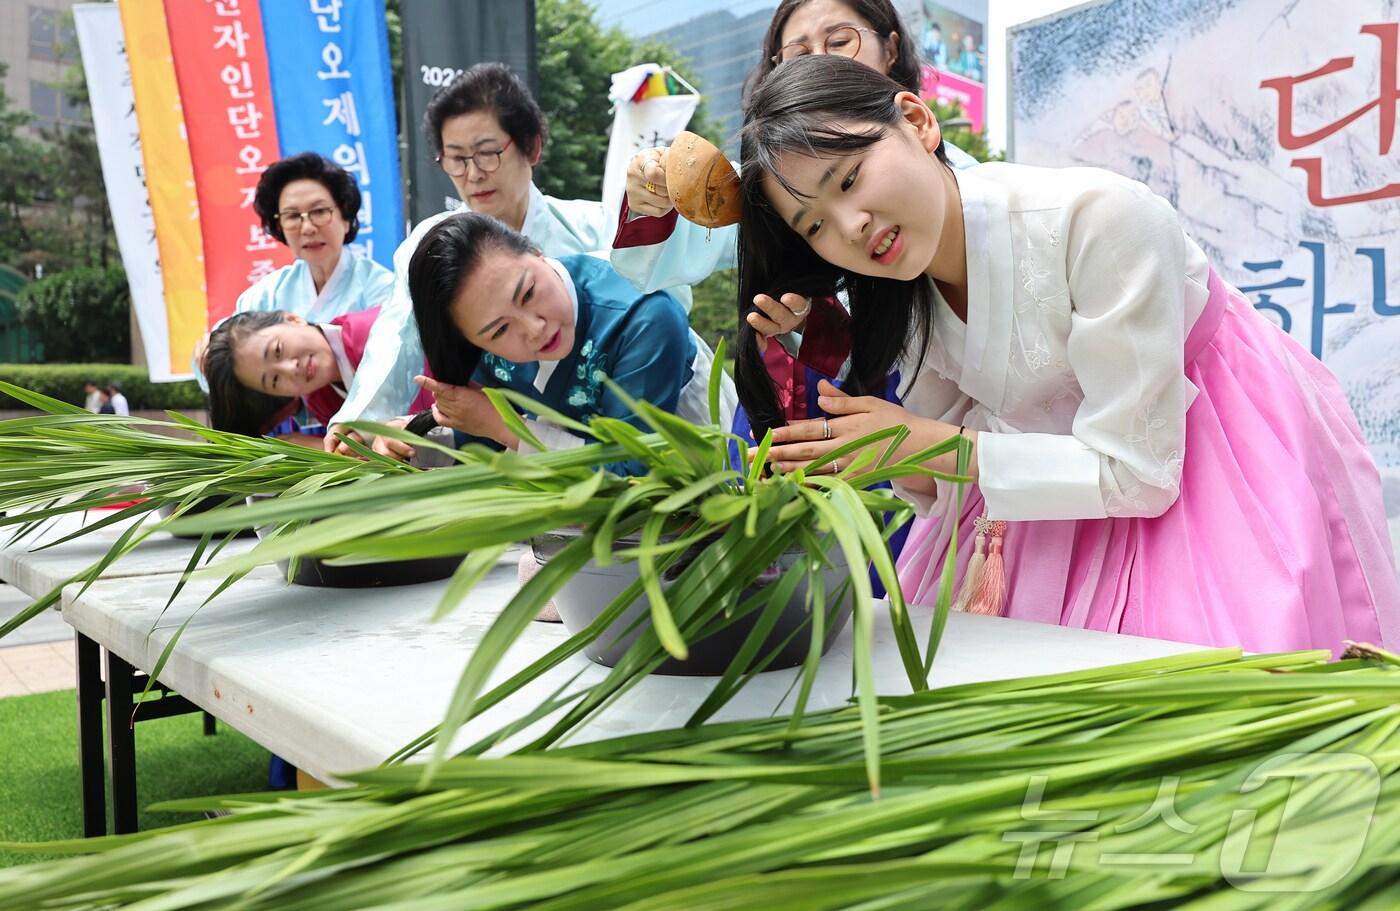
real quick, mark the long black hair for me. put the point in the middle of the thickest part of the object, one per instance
(233, 406)
(817, 105)
(445, 258)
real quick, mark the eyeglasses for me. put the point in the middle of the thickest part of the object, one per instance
(291, 221)
(486, 162)
(843, 42)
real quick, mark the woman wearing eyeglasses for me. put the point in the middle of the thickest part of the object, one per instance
(489, 134)
(312, 205)
(654, 248)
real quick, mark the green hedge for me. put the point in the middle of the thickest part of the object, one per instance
(65, 382)
(79, 314)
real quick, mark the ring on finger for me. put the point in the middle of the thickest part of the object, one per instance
(650, 187)
(826, 429)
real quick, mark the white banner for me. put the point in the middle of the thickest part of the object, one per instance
(1275, 136)
(99, 30)
(636, 126)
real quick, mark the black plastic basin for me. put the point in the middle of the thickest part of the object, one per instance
(318, 573)
(589, 592)
(166, 510)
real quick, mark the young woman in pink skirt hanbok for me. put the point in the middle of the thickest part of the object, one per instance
(1150, 455)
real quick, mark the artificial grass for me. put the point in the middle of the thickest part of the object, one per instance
(40, 795)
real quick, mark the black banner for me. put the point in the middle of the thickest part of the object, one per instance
(441, 38)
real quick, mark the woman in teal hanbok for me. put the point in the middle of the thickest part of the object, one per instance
(490, 135)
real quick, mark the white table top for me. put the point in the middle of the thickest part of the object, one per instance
(36, 572)
(337, 679)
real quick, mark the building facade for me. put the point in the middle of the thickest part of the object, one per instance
(38, 45)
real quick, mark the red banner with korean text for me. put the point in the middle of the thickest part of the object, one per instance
(226, 94)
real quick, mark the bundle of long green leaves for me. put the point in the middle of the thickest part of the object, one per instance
(1205, 781)
(1110, 788)
(67, 461)
(730, 524)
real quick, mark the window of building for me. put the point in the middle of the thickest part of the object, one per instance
(71, 111)
(43, 32)
(51, 107)
(51, 35)
(43, 104)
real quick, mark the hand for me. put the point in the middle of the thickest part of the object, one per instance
(332, 443)
(394, 449)
(466, 408)
(777, 317)
(648, 166)
(802, 442)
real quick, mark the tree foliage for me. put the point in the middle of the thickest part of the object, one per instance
(974, 144)
(79, 214)
(80, 314)
(713, 314)
(22, 179)
(53, 203)
(576, 60)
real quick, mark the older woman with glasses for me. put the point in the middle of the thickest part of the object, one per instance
(489, 134)
(312, 206)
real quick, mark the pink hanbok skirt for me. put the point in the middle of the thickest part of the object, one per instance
(1278, 540)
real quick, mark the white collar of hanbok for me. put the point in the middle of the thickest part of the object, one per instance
(547, 367)
(533, 212)
(328, 290)
(989, 276)
(332, 332)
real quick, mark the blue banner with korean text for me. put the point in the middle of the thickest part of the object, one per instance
(331, 85)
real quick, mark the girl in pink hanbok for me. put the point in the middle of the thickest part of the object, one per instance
(1150, 455)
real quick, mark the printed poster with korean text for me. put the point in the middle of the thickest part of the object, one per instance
(1272, 128)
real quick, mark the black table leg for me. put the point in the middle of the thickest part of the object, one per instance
(89, 657)
(121, 743)
(210, 727)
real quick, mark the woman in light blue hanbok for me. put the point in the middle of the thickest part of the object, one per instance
(311, 205)
(490, 134)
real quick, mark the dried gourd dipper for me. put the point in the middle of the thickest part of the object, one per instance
(703, 184)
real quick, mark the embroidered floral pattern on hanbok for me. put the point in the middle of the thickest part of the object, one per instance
(1039, 284)
(1165, 474)
(1123, 498)
(584, 392)
(502, 370)
(1038, 296)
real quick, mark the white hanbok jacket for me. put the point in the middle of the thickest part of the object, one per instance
(1082, 288)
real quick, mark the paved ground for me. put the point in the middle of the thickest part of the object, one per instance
(38, 657)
